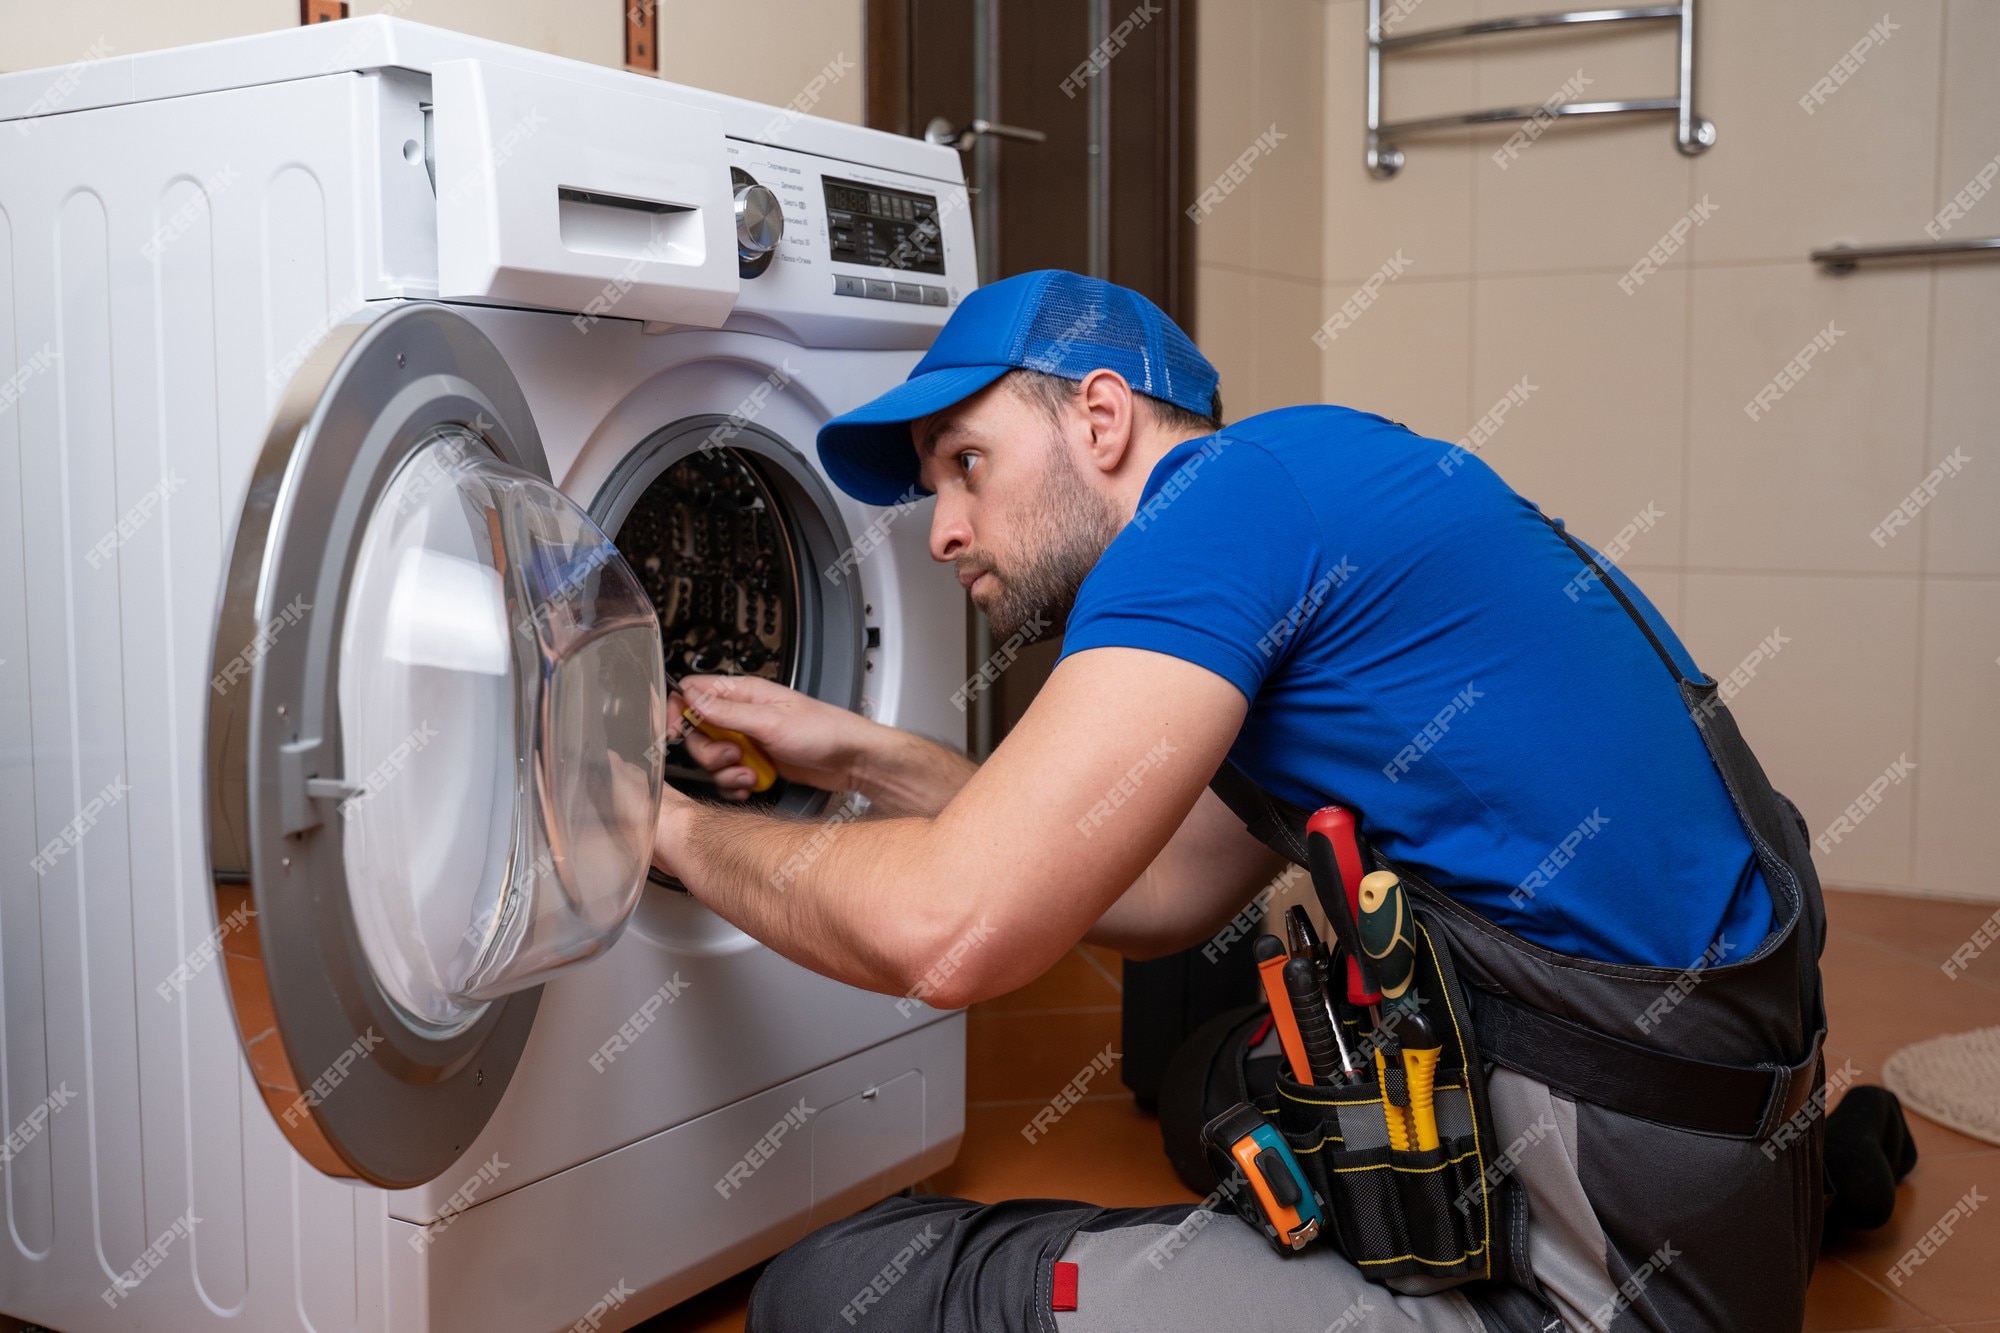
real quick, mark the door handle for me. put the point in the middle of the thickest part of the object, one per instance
(940, 131)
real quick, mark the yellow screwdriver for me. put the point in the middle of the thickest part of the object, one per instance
(754, 757)
(1388, 936)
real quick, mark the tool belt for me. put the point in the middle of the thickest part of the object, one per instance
(1425, 1215)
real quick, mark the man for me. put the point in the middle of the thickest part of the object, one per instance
(1342, 610)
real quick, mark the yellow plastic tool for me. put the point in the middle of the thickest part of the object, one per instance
(1420, 1069)
(1399, 1128)
(753, 758)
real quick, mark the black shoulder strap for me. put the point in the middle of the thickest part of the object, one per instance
(1611, 584)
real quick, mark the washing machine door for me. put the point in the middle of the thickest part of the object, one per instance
(433, 745)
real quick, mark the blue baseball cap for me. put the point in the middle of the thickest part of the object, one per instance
(1051, 320)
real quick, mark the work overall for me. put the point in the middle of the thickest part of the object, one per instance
(1654, 1149)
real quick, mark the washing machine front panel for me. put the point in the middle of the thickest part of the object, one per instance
(434, 768)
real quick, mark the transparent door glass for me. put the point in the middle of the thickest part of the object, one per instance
(501, 692)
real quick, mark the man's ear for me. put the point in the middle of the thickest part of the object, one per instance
(1106, 402)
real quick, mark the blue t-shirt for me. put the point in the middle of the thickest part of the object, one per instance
(1415, 643)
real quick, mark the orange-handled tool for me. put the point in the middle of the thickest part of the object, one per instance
(1271, 959)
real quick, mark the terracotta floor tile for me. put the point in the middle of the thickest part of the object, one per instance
(1029, 1057)
(1875, 998)
(1957, 1282)
(1929, 931)
(1843, 1301)
(1107, 1152)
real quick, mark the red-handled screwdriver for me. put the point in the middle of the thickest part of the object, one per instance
(1333, 854)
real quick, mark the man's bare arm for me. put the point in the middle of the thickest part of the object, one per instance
(1200, 879)
(1042, 840)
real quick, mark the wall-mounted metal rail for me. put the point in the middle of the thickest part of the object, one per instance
(1385, 159)
(1845, 258)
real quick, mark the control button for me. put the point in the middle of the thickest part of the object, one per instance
(911, 292)
(879, 290)
(760, 222)
(846, 285)
(934, 295)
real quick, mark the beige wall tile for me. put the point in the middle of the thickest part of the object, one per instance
(1971, 115)
(581, 32)
(1226, 56)
(707, 45)
(1600, 437)
(1859, 168)
(1425, 211)
(1958, 760)
(36, 36)
(1832, 708)
(1288, 93)
(1802, 486)
(1257, 330)
(1408, 358)
(1590, 192)
(1963, 522)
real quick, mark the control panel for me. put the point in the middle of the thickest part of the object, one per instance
(825, 244)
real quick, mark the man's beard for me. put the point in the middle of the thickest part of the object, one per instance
(1072, 529)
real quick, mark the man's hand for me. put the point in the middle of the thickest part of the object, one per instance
(1068, 813)
(815, 743)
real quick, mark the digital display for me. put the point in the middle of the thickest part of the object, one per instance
(883, 228)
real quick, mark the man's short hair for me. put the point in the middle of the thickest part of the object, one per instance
(1053, 393)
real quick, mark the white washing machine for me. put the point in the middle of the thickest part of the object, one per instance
(337, 994)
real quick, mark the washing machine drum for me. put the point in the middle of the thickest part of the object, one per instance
(738, 544)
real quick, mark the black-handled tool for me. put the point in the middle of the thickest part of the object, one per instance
(1315, 1028)
(1388, 937)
